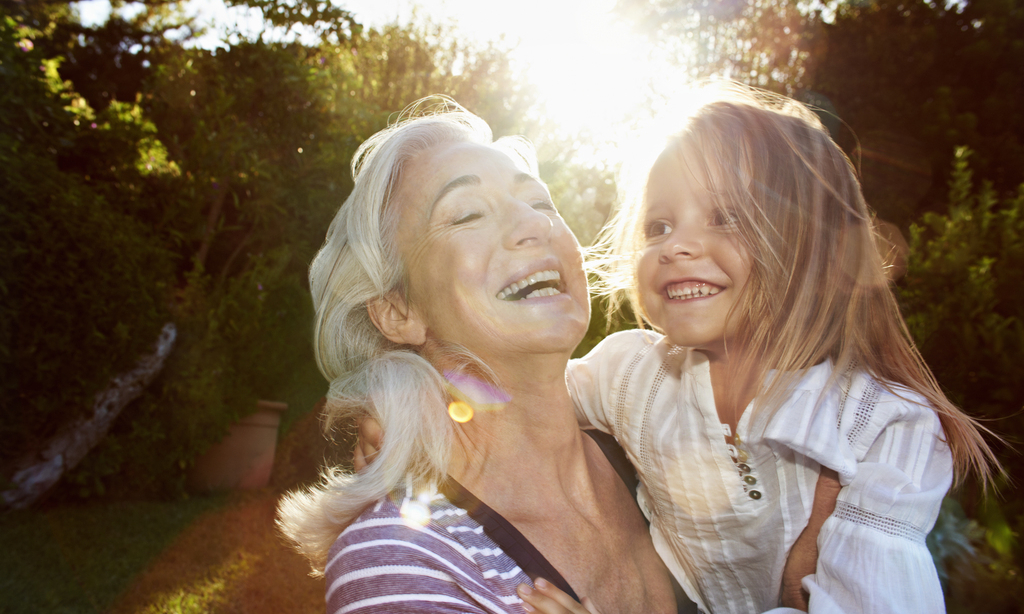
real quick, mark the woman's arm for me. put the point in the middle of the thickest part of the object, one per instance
(803, 557)
(872, 553)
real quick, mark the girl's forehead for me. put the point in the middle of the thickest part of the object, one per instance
(679, 164)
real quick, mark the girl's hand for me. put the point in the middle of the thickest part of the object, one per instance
(803, 557)
(545, 597)
(368, 442)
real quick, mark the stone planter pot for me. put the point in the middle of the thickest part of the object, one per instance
(245, 457)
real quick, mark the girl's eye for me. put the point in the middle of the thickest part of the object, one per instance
(656, 229)
(724, 217)
(545, 205)
(465, 219)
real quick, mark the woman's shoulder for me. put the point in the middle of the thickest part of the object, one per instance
(399, 520)
(421, 547)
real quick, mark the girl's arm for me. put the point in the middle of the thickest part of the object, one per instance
(546, 598)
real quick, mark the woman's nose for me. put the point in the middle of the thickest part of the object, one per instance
(527, 225)
(681, 245)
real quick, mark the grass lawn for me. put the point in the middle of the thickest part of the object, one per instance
(218, 554)
(81, 558)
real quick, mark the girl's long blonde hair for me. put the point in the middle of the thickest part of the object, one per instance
(818, 288)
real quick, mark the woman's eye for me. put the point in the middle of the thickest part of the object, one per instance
(546, 205)
(724, 217)
(469, 217)
(657, 229)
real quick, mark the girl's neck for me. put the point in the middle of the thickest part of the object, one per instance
(735, 380)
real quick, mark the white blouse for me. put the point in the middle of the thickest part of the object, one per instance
(725, 525)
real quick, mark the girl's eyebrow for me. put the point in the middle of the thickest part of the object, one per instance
(524, 177)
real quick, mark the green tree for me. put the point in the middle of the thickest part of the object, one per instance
(764, 43)
(83, 282)
(964, 301)
(964, 304)
(935, 75)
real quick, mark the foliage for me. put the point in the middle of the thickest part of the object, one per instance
(252, 131)
(962, 296)
(765, 43)
(82, 282)
(321, 18)
(938, 75)
(201, 198)
(963, 300)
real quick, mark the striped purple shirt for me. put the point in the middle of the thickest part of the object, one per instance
(419, 555)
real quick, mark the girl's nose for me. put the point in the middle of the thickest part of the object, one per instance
(527, 226)
(681, 246)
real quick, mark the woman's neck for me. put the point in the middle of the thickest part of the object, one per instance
(531, 442)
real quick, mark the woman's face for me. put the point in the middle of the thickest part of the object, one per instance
(490, 264)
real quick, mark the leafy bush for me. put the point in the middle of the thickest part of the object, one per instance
(964, 299)
(82, 283)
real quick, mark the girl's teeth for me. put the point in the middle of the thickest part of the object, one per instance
(700, 292)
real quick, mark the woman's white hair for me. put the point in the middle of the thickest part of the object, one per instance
(370, 375)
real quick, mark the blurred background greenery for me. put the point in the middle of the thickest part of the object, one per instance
(146, 179)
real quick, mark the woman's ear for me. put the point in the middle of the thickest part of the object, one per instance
(396, 320)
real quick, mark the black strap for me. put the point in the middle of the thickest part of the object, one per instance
(515, 544)
(507, 537)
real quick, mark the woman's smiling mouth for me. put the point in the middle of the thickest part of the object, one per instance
(691, 289)
(535, 285)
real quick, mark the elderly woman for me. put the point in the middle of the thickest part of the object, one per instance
(449, 287)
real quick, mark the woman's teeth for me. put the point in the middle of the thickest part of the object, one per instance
(690, 290)
(544, 283)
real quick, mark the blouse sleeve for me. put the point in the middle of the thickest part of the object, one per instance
(593, 380)
(872, 553)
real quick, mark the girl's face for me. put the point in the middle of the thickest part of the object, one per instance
(692, 265)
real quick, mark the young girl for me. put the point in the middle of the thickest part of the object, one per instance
(780, 351)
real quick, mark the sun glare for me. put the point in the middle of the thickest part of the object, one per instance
(591, 72)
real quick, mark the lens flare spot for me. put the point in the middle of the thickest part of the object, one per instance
(476, 391)
(415, 513)
(460, 412)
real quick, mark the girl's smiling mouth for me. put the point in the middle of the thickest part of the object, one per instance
(687, 290)
(534, 285)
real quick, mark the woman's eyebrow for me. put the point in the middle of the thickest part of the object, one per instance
(458, 182)
(467, 180)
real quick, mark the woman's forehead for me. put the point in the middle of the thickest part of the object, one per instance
(434, 172)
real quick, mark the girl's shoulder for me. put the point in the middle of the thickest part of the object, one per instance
(835, 420)
(823, 391)
(631, 340)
